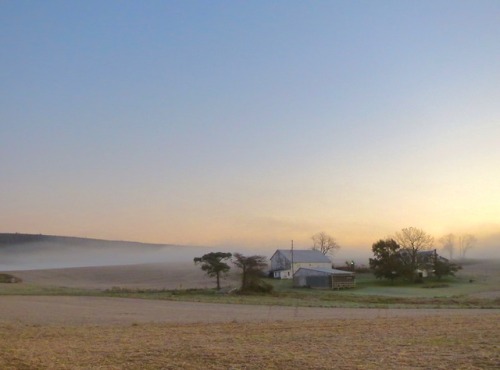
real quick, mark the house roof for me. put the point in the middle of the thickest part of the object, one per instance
(430, 252)
(426, 254)
(303, 255)
(326, 271)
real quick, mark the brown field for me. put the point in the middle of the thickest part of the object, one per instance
(80, 332)
(151, 276)
(105, 311)
(425, 342)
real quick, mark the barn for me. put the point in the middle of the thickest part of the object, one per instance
(284, 263)
(323, 278)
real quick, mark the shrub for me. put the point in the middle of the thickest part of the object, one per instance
(258, 287)
(7, 279)
(435, 285)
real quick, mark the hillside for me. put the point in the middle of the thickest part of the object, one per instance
(36, 251)
(10, 239)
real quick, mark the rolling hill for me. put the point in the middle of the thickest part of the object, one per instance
(37, 251)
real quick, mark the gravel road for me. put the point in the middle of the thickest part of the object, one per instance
(40, 310)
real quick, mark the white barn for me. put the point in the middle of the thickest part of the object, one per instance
(283, 268)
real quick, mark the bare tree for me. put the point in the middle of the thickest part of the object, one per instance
(448, 244)
(413, 240)
(465, 243)
(324, 243)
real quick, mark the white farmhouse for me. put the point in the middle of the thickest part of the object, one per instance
(285, 262)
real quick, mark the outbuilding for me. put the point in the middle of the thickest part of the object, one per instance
(323, 278)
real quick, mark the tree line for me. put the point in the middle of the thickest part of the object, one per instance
(457, 245)
(408, 252)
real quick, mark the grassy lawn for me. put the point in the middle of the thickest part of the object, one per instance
(446, 287)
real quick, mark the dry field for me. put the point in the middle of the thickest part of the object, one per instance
(150, 276)
(424, 342)
(72, 311)
(124, 333)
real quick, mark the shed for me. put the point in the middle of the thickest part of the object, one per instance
(324, 278)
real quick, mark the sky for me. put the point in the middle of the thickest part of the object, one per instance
(250, 123)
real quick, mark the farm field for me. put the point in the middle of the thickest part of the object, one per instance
(182, 275)
(58, 310)
(411, 342)
(66, 318)
(477, 285)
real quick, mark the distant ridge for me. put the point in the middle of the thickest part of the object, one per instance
(19, 251)
(10, 239)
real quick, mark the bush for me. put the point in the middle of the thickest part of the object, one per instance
(7, 279)
(258, 287)
(435, 285)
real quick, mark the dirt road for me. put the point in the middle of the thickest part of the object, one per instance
(112, 311)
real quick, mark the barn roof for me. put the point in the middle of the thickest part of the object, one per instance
(326, 271)
(303, 255)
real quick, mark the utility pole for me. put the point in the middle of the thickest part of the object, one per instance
(292, 259)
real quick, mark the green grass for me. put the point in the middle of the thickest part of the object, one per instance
(369, 291)
(32, 289)
(285, 295)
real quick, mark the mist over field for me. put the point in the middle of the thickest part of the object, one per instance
(63, 252)
(488, 247)
(48, 255)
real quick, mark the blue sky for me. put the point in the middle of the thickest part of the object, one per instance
(250, 123)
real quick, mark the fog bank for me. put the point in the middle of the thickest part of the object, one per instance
(46, 255)
(66, 252)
